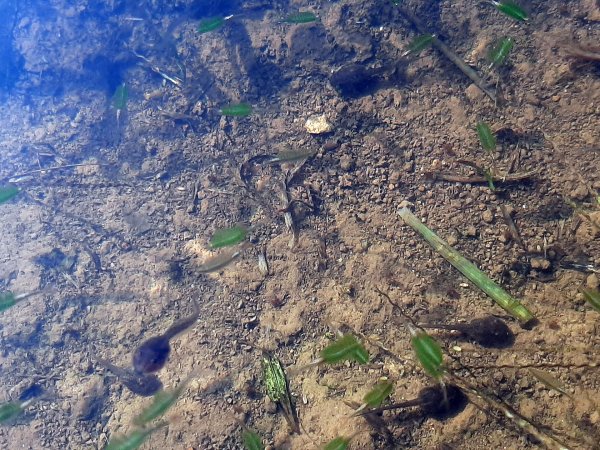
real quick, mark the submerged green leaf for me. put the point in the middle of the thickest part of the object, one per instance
(338, 443)
(9, 411)
(133, 440)
(7, 300)
(252, 440)
(418, 44)
(486, 137)
(7, 192)
(237, 110)
(499, 51)
(120, 97)
(228, 236)
(301, 17)
(511, 9)
(345, 348)
(429, 353)
(161, 402)
(592, 296)
(212, 24)
(220, 261)
(379, 393)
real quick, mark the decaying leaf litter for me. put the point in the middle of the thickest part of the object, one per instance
(378, 159)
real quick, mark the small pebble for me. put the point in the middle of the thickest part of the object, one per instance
(487, 216)
(346, 163)
(470, 231)
(540, 263)
(592, 281)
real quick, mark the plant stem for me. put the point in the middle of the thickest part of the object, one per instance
(464, 67)
(468, 269)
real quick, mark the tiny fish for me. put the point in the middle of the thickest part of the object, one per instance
(237, 110)
(301, 17)
(212, 24)
(7, 192)
(292, 155)
(511, 9)
(220, 261)
(549, 380)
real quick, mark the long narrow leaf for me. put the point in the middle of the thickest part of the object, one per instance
(510, 304)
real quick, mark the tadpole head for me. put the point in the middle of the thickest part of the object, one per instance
(33, 391)
(490, 332)
(152, 355)
(442, 405)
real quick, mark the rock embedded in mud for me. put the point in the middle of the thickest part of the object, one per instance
(346, 163)
(318, 124)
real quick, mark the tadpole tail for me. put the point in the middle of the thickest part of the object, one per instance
(182, 324)
(407, 404)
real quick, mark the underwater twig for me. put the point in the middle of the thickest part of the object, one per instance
(464, 67)
(510, 304)
(15, 178)
(173, 79)
(576, 50)
(475, 394)
(477, 179)
(288, 216)
(512, 228)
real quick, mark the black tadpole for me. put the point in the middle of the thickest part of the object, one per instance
(439, 402)
(354, 80)
(33, 391)
(489, 331)
(152, 354)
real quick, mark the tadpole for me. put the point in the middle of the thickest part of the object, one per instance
(354, 80)
(140, 384)
(488, 331)
(153, 353)
(433, 401)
